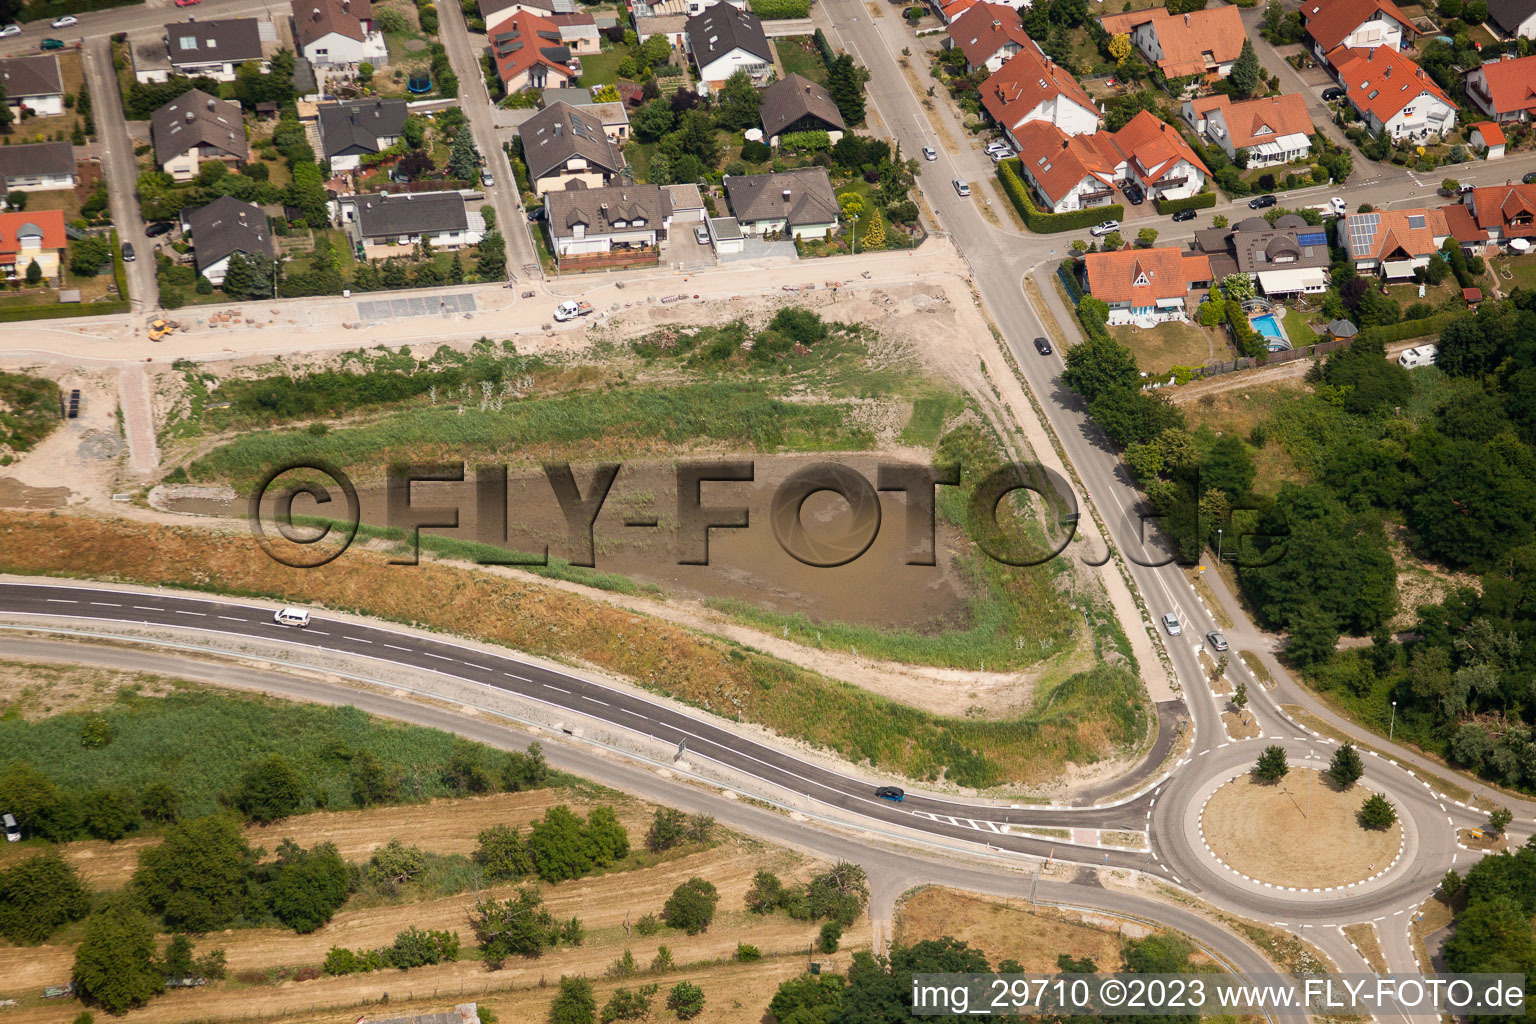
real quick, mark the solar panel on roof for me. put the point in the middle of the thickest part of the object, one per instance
(1312, 238)
(1415, 221)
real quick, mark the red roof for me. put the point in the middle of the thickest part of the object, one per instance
(1492, 134)
(1058, 161)
(1262, 120)
(1026, 80)
(1381, 81)
(1141, 276)
(1511, 84)
(1458, 220)
(987, 28)
(1329, 21)
(1189, 41)
(1509, 208)
(955, 8)
(533, 34)
(14, 227)
(1153, 147)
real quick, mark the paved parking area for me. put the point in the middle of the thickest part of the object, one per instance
(758, 249)
(416, 305)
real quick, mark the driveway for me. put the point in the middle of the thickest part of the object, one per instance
(685, 251)
(121, 173)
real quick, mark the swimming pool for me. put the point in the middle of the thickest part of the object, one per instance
(1268, 326)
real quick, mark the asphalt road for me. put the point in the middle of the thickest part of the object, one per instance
(121, 172)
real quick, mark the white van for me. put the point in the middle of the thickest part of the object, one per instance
(1424, 355)
(291, 617)
(12, 830)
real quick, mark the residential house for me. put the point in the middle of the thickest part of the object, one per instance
(1146, 285)
(1205, 42)
(379, 221)
(1393, 94)
(37, 168)
(33, 83)
(687, 8)
(1500, 212)
(1487, 138)
(1512, 18)
(1271, 130)
(988, 34)
(613, 115)
(492, 11)
(1354, 24)
(578, 32)
(1069, 172)
(30, 235)
(796, 104)
(338, 33)
(724, 40)
(193, 128)
(1394, 243)
(1159, 159)
(214, 49)
(673, 26)
(1032, 87)
(357, 128)
(529, 53)
(799, 202)
(1288, 257)
(586, 222)
(687, 203)
(566, 147)
(1504, 89)
(951, 11)
(222, 229)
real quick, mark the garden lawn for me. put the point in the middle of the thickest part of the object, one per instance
(799, 57)
(1299, 330)
(1168, 345)
(603, 68)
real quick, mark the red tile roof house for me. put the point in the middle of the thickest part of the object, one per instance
(529, 53)
(1499, 212)
(1273, 129)
(1032, 87)
(1146, 286)
(1204, 42)
(1392, 93)
(1080, 171)
(1158, 159)
(1394, 243)
(1358, 24)
(31, 235)
(1505, 90)
(1488, 138)
(988, 35)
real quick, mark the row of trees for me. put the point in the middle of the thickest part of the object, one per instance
(1344, 771)
(838, 895)
(576, 1003)
(560, 846)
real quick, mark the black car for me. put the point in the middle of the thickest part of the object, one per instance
(1183, 215)
(1530, 177)
(158, 228)
(128, 256)
(1261, 202)
(1133, 193)
(1333, 92)
(891, 793)
(1043, 346)
(535, 214)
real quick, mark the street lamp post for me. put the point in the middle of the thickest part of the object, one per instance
(1218, 545)
(1393, 726)
(1308, 813)
(855, 234)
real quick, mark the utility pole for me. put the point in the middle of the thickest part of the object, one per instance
(1218, 545)
(1313, 775)
(1393, 727)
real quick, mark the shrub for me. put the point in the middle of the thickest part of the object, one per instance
(755, 152)
(831, 935)
(1046, 223)
(1377, 813)
(691, 906)
(686, 1000)
(771, 9)
(1199, 201)
(38, 895)
(648, 924)
(668, 828)
(747, 953)
(270, 790)
(809, 141)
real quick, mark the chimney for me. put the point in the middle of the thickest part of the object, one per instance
(1387, 73)
(191, 116)
(316, 15)
(1370, 54)
(1186, 20)
(213, 104)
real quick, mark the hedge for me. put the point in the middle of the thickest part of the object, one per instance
(1405, 329)
(1047, 223)
(824, 48)
(1199, 201)
(809, 141)
(62, 310)
(769, 10)
(119, 270)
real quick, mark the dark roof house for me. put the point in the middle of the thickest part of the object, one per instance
(197, 119)
(722, 28)
(560, 132)
(602, 211)
(800, 197)
(313, 20)
(798, 104)
(1512, 15)
(45, 159)
(229, 41)
(421, 213)
(227, 226)
(357, 126)
(31, 76)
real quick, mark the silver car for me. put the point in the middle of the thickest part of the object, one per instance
(929, 153)
(1171, 624)
(1217, 641)
(961, 188)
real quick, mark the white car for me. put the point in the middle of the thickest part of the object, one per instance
(1171, 624)
(291, 617)
(701, 234)
(961, 188)
(12, 830)
(487, 179)
(929, 153)
(997, 146)
(1104, 228)
(11, 30)
(66, 21)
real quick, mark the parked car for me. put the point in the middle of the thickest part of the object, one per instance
(1529, 177)
(1216, 640)
(930, 154)
(701, 234)
(158, 228)
(291, 617)
(1171, 624)
(1043, 346)
(65, 21)
(961, 188)
(1104, 228)
(535, 214)
(1261, 202)
(187, 3)
(1424, 355)
(1133, 193)
(11, 30)
(1333, 92)
(128, 256)
(51, 44)
(895, 793)
(1180, 216)
(487, 178)
(12, 830)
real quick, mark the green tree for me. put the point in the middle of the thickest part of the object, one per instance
(809, 999)
(845, 81)
(1346, 767)
(34, 272)
(1240, 699)
(652, 121)
(766, 894)
(1499, 819)
(1272, 765)
(88, 255)
(1132, 416)
(306, 887)
(109, 814)
(1377, 813)
(466, 770)
(199, 875)
(686, 1000)
(372, 782)
(1146, 237)
(115, 964)
(1494, 935)
(270, 789)
(519, 926)
(524, 769)
(1099, 366)
(831, 935)
(1246, 73)
(628, 1004)
(738, 104)
(491, 257)
(691, 906)
(38, 895)
(503, 854)
(414, 131)
(1313, 637)
(558, 848)
(605, 838)
(574, 1003)
(874, 232)
(668, 828)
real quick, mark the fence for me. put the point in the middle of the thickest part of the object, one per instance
(1069, 281)
(1322, 348)
(615, 260)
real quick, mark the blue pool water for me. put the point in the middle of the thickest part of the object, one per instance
(1267, 326)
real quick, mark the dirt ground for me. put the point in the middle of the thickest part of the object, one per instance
(35, 690)
(1258, 828)
(1240, 727)
(1008, 929)
(1364, 937)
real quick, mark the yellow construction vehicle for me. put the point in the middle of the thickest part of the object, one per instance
(160, 327)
